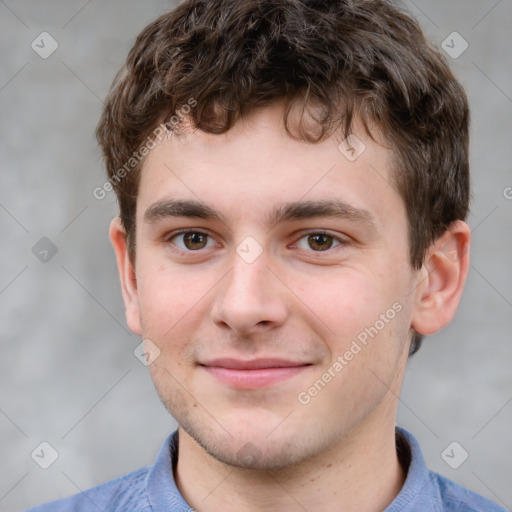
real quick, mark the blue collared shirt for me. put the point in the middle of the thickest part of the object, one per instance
(152, 488)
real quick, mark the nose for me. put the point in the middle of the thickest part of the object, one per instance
(250, 298)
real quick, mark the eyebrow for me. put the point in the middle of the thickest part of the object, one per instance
(180, 208)
(335, 208)
(298, 210)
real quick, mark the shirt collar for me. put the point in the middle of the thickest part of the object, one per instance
(162, 491)
(419, 491)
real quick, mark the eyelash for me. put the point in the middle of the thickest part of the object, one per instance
(340, 241)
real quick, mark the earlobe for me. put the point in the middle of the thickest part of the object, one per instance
(127, 276)
(441, 279)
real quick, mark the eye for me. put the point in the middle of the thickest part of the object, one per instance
(191, 240)
(318, 242)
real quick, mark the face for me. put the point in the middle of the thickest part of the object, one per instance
(273, 277)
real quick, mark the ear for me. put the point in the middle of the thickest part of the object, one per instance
(117, 235)
(441, 279)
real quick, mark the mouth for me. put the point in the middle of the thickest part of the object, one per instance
(257, 373)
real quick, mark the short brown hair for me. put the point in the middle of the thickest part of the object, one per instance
(363, 59)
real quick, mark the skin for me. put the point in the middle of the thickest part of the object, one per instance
(293, 302)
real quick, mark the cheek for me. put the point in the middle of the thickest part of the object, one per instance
(346, 301)
(363, 312)
(172, 306)
(167, 296)
(161, 306)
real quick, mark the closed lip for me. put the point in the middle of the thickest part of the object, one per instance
(253, 374)
(253, 364)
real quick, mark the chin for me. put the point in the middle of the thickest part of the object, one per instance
(256, 454)
(257, 437)
(256, 445)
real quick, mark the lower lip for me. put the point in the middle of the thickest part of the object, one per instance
(253, 379)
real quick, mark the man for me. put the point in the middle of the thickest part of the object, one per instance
(293, 183)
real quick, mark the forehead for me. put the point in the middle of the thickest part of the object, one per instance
(257, 165)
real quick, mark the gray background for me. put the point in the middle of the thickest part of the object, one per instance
(67, 369)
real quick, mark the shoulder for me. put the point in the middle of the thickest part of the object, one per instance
(455, 498)
(138, 491)
(128, 492)
(428, 491)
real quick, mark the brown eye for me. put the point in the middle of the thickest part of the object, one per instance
(320, 241)
(194, 241)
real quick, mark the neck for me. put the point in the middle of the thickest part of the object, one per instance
(361, 473)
